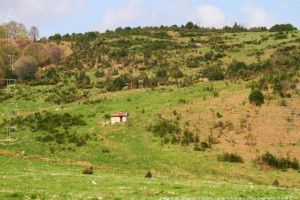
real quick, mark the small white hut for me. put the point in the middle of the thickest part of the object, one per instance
(120, 117)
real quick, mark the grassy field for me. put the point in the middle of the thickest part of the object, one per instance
(122, 154)
(23, 179)
(133, 151)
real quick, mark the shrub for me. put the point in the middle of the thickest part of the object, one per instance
(57, 38)
(167, 130)
(170, 131)
(39, 52)
(52, 127)
(99, 74)
(2, 32)
(66, 95)
(256, 97)
(201, 146)
(188, 137)
(105, 150)
(282, 27)
(2, 72)
(50, 76)
(193, 62)
(25, 68)
(176, 73)
(213, 73)
(219, 115)
(83, 80)
(276, 183)
(162, 74)
(55, 54)
(226, 157)
(237, 70)
(5, 96)
(277, 163)
(88, 170)
(148, 175)
(118, 84)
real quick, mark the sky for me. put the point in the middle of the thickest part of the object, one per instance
(79, 16)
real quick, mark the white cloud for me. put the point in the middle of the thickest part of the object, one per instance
(210, 16)
(257, 16)
(36, 11)
(121, 16)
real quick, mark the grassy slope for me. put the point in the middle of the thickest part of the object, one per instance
(24, 179)
(177, 171)
(133, 153)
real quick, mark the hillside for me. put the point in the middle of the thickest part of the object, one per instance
(187, 94)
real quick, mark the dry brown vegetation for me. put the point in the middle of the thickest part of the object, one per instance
(237, 126)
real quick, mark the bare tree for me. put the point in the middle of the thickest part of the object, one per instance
(34, 33)
(15, 30)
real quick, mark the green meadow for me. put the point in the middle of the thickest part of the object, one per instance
(132, 152)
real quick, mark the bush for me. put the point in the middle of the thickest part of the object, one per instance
(148, 175)
(88, 170)
(99, 74)
(237, 70)
(256, 97)
(39, 52)
(105, 150)
(202, 146)
(193, 62)
(282, 27)
(83, 80)
(66, 95)
(25, 68)
(277, 163)
(50, 76)
(162, 74)
(276, 183)
(2, 72)
(118, 84)
(213, 73)
(52, 127)
(169, 131)
(226, 157)
(55, 54)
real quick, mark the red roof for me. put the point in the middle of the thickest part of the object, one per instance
(119, 114)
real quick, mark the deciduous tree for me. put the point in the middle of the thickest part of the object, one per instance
(15, 30)
(25, 68)
(34, 33)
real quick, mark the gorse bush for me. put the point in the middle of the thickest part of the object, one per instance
(170, 131)
(88, 170)
(167, 130)
(66, 95)
(83, 80)
(49, 76)
(51, 127)
(213, 73)
(230, 157)
(203, 146)
(118, 84)
(237, 70)
(193, 62)
(256, 97)
(277, 163)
